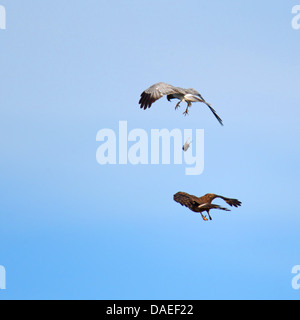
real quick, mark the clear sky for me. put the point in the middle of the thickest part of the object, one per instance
(72, 229)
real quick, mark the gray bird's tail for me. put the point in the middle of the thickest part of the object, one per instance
(211, 109)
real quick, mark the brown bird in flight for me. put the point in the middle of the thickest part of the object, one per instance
(204, 203)
(158, 90)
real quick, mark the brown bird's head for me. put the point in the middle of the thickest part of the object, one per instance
(210, 195)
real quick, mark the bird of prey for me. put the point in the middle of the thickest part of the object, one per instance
(157, 91)
(204, 203)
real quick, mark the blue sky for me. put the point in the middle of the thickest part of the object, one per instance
(72, 229)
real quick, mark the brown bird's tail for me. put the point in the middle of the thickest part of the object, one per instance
(209, 206)
(215, 206)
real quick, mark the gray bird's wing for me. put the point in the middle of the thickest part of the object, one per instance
(157, 91)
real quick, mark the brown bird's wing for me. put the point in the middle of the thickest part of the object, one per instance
(186, 200)
(157, 91)
(232, 202)
(193, 202)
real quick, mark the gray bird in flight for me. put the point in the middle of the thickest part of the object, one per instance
(158, 90)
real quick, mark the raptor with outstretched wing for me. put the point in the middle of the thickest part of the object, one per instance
(158, 90)
(204, 203)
